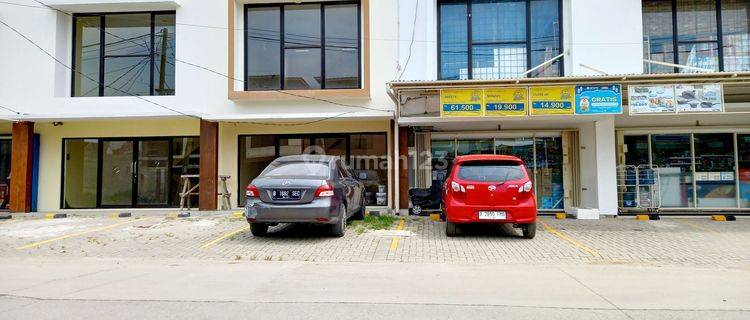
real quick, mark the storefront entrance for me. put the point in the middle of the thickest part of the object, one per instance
(126, 172)
(698, 170)
(543, 156)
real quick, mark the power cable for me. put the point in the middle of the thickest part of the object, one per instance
(413, 35)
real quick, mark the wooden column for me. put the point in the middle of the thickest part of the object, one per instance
(21, 165)
(209, 167)
(403, 170)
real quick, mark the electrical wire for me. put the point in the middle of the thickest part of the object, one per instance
(413, 35)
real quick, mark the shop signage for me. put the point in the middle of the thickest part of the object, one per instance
(461, 103)
(552, 100)
(598, 99)
(699, 98)
(651, 99)
(680, 98)
(507, 102)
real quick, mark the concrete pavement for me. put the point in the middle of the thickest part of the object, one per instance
(119, 289)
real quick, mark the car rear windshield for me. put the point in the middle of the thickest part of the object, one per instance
(491, 171)
(305, 169)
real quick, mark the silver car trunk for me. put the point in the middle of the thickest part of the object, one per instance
(287, 187)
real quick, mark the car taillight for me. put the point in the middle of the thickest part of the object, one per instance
(457, 187)
(252, 191)
(324, 191)
(526, 187)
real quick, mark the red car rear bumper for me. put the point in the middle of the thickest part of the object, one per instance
(458, 212)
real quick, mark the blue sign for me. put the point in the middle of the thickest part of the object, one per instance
(599, 99)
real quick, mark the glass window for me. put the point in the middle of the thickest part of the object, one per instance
(80, 165)
(490, 171)
(256, 153)
(548, 169)
(500, 39)
(743, 147)
(332, 146)
(658, 42)
(164, 49)
(636, 150)
(87, 48)
(130, 64)
(5, 156)
(302, 46)
(715, 170)
(735, 27)
(671, 153)
(185, 160)
(454, 46)
(342, 46)
(474, 146)
(545, 37)
(443, 153)
(298, 169)
(369, 161)
(695, 40)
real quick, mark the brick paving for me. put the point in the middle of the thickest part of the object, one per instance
(670, 241)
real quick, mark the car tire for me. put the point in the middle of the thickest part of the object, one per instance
(415, 210)
(339, 229)
(451, 229)
(529, 230)
(258, 229)
(360, 214)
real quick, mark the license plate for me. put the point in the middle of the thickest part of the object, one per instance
(286, 194)
(492, 215)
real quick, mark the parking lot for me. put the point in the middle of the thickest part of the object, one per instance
(696, 241)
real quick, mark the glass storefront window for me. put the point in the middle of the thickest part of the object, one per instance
(467, 147)
(80, 165)
(715, 170)
(743, 147)
(185, 160)
(636, 150)
(256, 153)
(369, 161)
(549, 173)
(443, 152)
(365, 153)
(671, 153)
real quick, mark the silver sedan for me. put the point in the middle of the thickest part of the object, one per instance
(304, 189)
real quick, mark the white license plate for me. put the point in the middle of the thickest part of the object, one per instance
(491, 215)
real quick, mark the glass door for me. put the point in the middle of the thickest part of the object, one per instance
(117, 167)
(743, 157)
(152, 176)
(716, 185)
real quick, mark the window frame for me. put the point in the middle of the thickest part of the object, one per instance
(675, 35)
(282, 45)
(471, 43)
(102, 47)
(135, 139)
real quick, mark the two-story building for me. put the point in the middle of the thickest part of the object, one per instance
(119, 99)
(586, 92)
(109, 103)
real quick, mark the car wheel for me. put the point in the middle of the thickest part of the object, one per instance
(360, 214)
(416, 210)
(451, 229)
(338, 229)
(258, 229)
(529, 230)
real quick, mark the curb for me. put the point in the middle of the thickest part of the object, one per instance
(121, 215)
(55, 215)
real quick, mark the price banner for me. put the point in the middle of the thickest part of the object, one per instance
(599, 99)
(506, 102)
(461, 103)
(552, 100)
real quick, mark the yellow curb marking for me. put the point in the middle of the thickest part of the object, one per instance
(394, 240)
(641, 217)
(238, 214)
(693, 225)
(85, 232)
(719, 217)
(567, 238)
(49, 216)
(226, 235)
(561, 216)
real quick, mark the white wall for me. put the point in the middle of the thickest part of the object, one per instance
(33, 83)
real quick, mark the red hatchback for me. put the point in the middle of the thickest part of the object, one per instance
(489, 189)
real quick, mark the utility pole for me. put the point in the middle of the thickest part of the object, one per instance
(163, 64)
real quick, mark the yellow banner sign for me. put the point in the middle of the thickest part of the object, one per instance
(461, 103)
(552, 100)
(508, 102)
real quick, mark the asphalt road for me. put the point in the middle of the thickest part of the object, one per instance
(186, 289)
